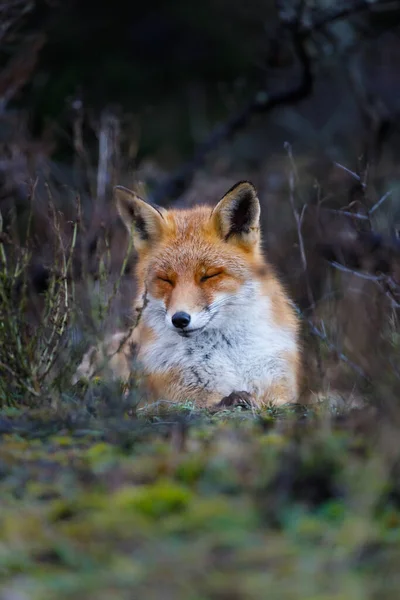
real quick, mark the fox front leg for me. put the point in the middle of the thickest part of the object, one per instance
(242, 399)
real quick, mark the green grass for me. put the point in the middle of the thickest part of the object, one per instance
(101, 501)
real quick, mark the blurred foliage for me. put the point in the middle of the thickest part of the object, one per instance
(161, 61)
(189, 505)
(178, 68)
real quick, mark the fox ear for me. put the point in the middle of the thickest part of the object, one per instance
(144, 221)
(237, 215)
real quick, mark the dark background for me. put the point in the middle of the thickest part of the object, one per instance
(182, 100)
(177, 70)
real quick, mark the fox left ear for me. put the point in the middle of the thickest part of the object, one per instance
(146, 222)
(237, 215)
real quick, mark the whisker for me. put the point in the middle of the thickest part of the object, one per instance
(221, 302)
(236, 299)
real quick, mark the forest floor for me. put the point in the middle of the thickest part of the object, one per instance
(181, 504)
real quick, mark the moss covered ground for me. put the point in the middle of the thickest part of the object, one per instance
(100, 501)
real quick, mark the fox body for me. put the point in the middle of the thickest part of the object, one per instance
(215, 320)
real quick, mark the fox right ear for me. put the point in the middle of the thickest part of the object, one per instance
(142, 220)
(237, 216)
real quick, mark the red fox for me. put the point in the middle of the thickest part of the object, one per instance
(216, 326)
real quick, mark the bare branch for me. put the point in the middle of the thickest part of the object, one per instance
(343, 10)
(360, 274)
(11, 14)
(264, 102)
(352, 173)
(109, 142)
(293, 177)
(380, 202)
(347, 213)
(385, 283)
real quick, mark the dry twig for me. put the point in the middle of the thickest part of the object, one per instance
(301, 31)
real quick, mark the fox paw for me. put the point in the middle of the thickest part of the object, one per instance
(243, 399)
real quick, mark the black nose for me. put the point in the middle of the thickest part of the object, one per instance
(180, 320)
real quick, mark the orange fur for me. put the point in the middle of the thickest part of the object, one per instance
(206, 263)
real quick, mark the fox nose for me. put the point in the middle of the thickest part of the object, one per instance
(180, 320)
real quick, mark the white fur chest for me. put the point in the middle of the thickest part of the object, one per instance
(243, 349)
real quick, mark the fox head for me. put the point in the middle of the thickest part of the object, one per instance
(198, 265)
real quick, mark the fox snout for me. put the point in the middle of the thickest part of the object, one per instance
(180, 320)
(186, 309)
(185, 322)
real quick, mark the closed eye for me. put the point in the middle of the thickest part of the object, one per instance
(165, 280)
(210, 276)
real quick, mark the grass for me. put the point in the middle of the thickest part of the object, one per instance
(179, 503)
